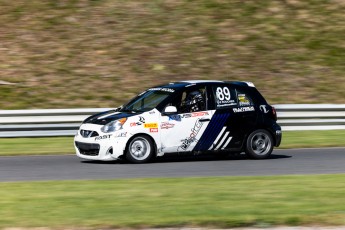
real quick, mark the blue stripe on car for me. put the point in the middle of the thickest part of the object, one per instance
(211, 132)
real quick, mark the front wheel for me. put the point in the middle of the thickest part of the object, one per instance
(140, 150)
(259, 144)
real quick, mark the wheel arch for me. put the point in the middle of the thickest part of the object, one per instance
(141, 134)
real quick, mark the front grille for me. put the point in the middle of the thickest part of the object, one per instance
(87, 148)
(88, 133)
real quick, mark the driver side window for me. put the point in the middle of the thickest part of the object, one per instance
(190, 100)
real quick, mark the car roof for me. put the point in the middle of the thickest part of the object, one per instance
(183, 84)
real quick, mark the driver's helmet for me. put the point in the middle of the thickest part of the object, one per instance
(194, 101)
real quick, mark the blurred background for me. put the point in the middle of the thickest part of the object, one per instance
(100, 53)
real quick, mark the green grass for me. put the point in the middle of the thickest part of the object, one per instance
(101, 53)
(36, 146)
(63, 145)
(313, 139)
(213, 202)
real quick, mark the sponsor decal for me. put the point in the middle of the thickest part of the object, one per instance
(151, 125)
(167, 125)
(224, 97)
(244, 109)
(152, 112)
(227, 104)
(140, 122)
(187, 115)
(103, 137)
(243, 100)
(122, 134)
(198, 114)
(175, 118)
(153, 130)
(162, 89)
(264, 108)
(278, 132)
(192, 137)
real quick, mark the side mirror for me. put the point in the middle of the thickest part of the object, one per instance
(170, 110)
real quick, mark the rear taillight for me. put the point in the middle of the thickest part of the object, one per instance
(274, 113)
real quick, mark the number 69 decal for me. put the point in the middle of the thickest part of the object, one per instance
(223, 94)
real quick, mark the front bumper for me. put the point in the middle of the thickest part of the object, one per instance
(99, 145)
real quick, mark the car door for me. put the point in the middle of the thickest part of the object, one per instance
(181, 132)
(223, 127)
(233, 117)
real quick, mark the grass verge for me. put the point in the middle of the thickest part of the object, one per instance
(36, 146)
(63, 145)
(211, 202)
(313, 139)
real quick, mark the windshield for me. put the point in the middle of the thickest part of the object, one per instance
(147, 100)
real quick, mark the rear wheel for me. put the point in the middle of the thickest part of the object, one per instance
(140, 150)
(259, 144)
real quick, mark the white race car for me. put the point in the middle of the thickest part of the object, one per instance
(187, 116)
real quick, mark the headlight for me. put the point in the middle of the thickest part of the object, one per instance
(114, 125)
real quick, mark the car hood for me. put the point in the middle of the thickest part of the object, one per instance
(107, 116)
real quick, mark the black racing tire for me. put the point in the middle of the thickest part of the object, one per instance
(259, 144)
(140, 149)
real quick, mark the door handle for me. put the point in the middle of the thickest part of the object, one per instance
(205, 119)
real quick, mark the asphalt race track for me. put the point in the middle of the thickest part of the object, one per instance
(69, 167)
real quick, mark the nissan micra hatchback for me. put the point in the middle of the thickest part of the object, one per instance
(183, 117)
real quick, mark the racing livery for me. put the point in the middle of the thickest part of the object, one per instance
(183, 117)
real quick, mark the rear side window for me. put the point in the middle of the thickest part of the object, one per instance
(243, 98)
(225, 96)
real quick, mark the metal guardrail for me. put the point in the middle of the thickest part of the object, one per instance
(43, 122)
(65, 122)
(311, 116)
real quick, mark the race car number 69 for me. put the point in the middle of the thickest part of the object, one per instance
(223, 93)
